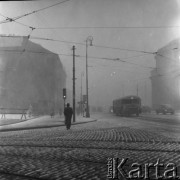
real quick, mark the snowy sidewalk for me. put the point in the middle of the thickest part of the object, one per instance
(43, 122)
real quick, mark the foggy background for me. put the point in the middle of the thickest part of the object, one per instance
(125, 30)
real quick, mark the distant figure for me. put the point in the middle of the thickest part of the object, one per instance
(24, 113)
(3, 113)
(52, 113)
(3, 116)
(29, 111)
(78, 111)
(84, 112)
(68, 115)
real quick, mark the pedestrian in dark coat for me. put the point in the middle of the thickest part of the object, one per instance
(68, 112)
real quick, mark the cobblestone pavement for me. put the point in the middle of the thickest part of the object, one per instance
(80, 153)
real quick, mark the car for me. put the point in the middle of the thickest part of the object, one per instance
(145, 109)
(164, 109)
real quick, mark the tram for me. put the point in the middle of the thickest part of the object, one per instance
(127, 106)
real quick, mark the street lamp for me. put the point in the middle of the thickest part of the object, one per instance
(89, 39)
(81, 96)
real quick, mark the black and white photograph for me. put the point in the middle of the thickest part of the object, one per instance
(90, 90)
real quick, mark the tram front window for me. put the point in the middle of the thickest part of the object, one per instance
(130, 101)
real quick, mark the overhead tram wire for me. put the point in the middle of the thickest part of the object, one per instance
(81, 56)
(115, 68)
(98, 46)
(4, 21)
(108, 47)
(83, 44)
(115, 59)
(36, 52)
(56, 40)
(140, 55)
(85, 27)
(61, 54)
(102, 58)
(8, 19)
(112, 59)
(24, 25)
(70, 42)
(35, 11)
(110, 27)
(120, 60)
(92, 57)
(50, 6)
(100, 27)
(13, 20)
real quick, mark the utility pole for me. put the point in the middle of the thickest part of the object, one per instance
(122, 89)
(74, 102)
(137, 89)
(81, 105)
(89, 39)
(145, 94)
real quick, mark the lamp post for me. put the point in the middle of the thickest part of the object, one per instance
(137, 89)
(89, 39)
(81, 96)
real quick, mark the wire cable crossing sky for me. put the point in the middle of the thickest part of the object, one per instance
(126, 34)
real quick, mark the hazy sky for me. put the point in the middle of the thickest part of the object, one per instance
(128, 24)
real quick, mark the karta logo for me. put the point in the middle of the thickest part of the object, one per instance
(123, 169)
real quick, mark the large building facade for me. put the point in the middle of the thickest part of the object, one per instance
(30, 75)
(165, 77)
